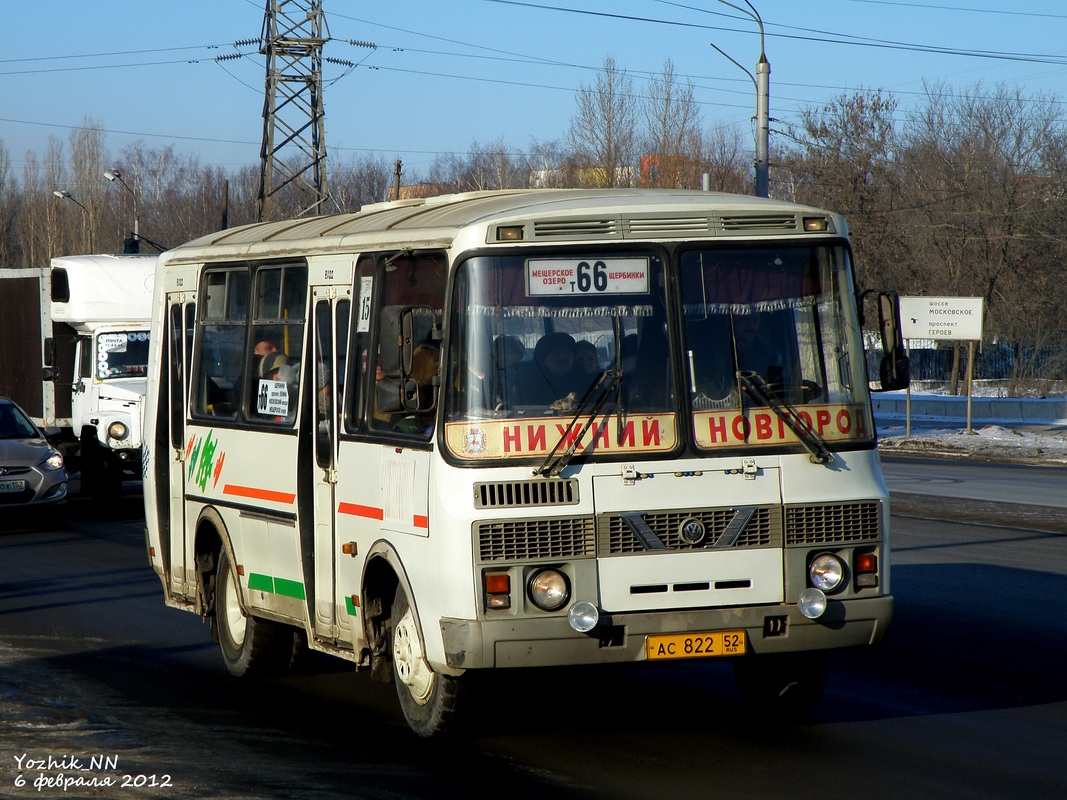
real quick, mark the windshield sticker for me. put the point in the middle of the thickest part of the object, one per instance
(478, 439)
(593, 276)
(111, 343)
(761, 426)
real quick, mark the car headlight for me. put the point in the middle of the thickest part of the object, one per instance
(118, 431)
(548, 589)
(826, 572)
(51, 462)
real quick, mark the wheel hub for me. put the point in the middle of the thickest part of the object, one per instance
(411, 666)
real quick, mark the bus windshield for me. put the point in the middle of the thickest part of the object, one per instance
(557, 352)
(541, 340)
(767, 327)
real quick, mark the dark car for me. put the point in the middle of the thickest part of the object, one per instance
(32, 473)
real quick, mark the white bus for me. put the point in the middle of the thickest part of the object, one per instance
(519, 429)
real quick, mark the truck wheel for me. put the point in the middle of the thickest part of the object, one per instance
(782, 686)
(428, 699)
(250, 646)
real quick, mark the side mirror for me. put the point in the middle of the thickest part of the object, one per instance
(895, 368)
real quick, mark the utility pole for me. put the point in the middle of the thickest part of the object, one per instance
(293, 154)
(762, 81)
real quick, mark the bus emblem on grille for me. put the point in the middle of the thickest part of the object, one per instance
(692, 530)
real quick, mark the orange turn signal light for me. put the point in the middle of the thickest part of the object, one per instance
(866, 563)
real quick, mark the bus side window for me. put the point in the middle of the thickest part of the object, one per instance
(277, 333)
(220, 334)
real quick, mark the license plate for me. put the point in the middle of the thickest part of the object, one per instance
(694, 645)
(12, 486)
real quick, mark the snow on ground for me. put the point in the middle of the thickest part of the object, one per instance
(1039, 443)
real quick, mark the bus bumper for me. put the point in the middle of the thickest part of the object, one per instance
(549, 641)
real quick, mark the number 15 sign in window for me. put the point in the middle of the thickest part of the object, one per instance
(587, 276)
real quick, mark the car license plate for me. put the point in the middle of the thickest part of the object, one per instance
(695, 645)
(12, 486)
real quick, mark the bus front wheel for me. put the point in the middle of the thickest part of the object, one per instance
(249, 645)
(427, 698)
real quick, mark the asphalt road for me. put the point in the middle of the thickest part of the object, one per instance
(965, 699)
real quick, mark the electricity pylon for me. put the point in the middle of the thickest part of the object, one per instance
(293, 154)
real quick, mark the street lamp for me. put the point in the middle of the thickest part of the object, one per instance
(113, 175)
(762, 82)
(63, 194)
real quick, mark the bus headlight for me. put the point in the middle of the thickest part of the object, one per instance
(548, 589)
(812, 603)
(118, 431)
(583, 616)
(826, 572)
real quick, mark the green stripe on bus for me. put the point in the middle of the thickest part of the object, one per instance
(260, 583)
(265, 583)
(289, 588)
(350, 607)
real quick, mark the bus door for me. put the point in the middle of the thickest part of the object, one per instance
(181, 316)
(332, 307)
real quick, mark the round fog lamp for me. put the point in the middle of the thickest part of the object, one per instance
(826, 572)
(812, 603)
(548, 589)
(583, 616)
(117, 431)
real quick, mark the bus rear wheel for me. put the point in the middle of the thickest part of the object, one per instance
(250, 646)
(428, 699)
(784, 687)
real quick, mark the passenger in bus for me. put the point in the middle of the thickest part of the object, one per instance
(585, 361)
(505, 380)
(551, 377)
(267, 355)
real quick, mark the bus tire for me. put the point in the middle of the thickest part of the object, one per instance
(784, 687)
(249, 645)
(428, 699)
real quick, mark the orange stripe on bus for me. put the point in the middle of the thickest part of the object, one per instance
(357, 510)
(259, 494)
(422, 521)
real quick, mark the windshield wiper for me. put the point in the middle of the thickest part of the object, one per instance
(789, 415)
(607, 381)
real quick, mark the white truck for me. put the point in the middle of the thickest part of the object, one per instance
(75, 352)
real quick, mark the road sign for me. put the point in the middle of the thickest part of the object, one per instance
(942, 318)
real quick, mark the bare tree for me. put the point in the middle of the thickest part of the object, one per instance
(845, 159)
(550, 166)
(9, 201)
(724, 157)
(88, 161)
(603, 133)
(672, 122)
(978, 160)
(483, 167)
(363, 180)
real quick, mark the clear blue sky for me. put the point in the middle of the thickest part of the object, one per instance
(445, 74)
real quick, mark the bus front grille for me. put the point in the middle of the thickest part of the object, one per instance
(532, 539)
(764, 529)
(526, 494)
(834, 523)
